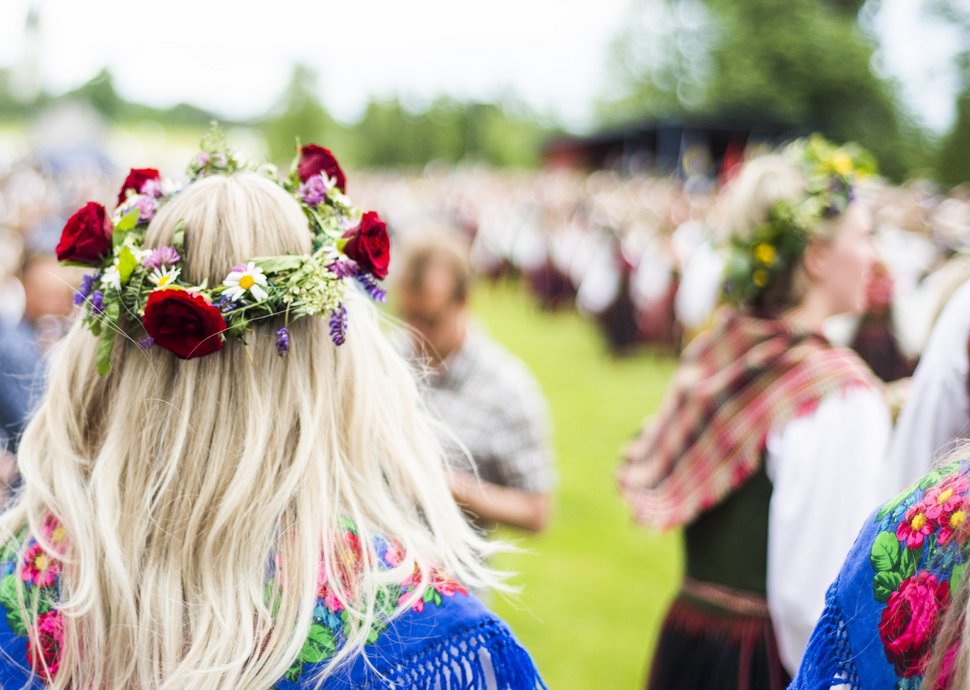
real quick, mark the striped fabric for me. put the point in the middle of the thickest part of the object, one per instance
(736, 383)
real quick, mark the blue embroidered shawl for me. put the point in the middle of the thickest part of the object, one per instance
(883, 611)
(446, 641)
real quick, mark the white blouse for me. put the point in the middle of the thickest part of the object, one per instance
(829, 472)
(937, 408)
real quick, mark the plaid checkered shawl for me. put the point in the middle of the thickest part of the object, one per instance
(736, 383)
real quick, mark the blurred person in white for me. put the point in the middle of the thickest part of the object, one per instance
(495, 420)
(770, 445)
(937, 407)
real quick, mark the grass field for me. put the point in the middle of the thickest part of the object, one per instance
(594, 586)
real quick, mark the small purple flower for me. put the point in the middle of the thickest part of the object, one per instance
(338, 325)
(148, 206)
(204, 158)
(221, 160)
(239, 268)
(163, 256)
(343, 268)
(152, 188)
(87, 282)
(97, 301)
(314, 190)
(376, 292)
(225, 304)
(283, 342)
(146, 343)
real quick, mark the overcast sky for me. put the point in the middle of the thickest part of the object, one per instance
(235, 59)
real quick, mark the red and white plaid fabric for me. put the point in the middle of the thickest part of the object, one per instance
(736, 383)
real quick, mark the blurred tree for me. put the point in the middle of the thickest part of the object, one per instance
(100, 92)
(953, 161)
(805, 64)
(298, 114)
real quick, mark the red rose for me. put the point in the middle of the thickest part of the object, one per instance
(315, 160)
(910, 621)
(86, 237)
(137, 177)
(184, 323)
(370, 247)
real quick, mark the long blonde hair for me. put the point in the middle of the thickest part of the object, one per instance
(179, 483)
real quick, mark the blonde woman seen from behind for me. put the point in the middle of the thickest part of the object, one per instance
(274, 514)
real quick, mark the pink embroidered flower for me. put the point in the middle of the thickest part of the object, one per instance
(916, 527)
(448, 587)
(945, 498)
(394, 554)
(45, 657)
(910, 620)
(947, 668)
(40, 569)
(952, 524)
(53, 531)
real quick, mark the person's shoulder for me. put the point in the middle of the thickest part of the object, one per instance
(909, 557)
(444, 633)
(501, 366)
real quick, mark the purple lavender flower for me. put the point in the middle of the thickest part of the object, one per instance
(146, 343)
(283, 342)
(152, 188)
(163, 256)
(343, 268)
(338, 325)
(87, 282)
(314, 190)
(97, 301)
(376, 292)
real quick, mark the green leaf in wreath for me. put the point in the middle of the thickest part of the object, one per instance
(319, 645)
(884, 584)
(277, 264)
(294, 672)
(126, 264)
(128, 221)
(105, 345)
(884, 556)
(908, 561)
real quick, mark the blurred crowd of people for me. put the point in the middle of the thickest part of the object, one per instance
(640, 253)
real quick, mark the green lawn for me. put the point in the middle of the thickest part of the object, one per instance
(594, 585)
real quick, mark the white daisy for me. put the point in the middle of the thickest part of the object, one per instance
(243, 279)
(164, 277)
(111, 278)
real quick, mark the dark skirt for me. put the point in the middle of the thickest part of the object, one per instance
(704, 648)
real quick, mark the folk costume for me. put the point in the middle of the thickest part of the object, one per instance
(884, 614)
(447, 639)
(764, 451)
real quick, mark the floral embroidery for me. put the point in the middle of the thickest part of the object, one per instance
(331, 622)
(919, 560)
(37, 583)
(37, 586)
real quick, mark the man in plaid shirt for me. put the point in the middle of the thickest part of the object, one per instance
(486, 398)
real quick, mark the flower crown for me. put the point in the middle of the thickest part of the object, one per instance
(140, 292)
(832, 171)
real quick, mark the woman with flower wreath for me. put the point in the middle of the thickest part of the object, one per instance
(231, 482)
(769, 445)
(896, 616)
